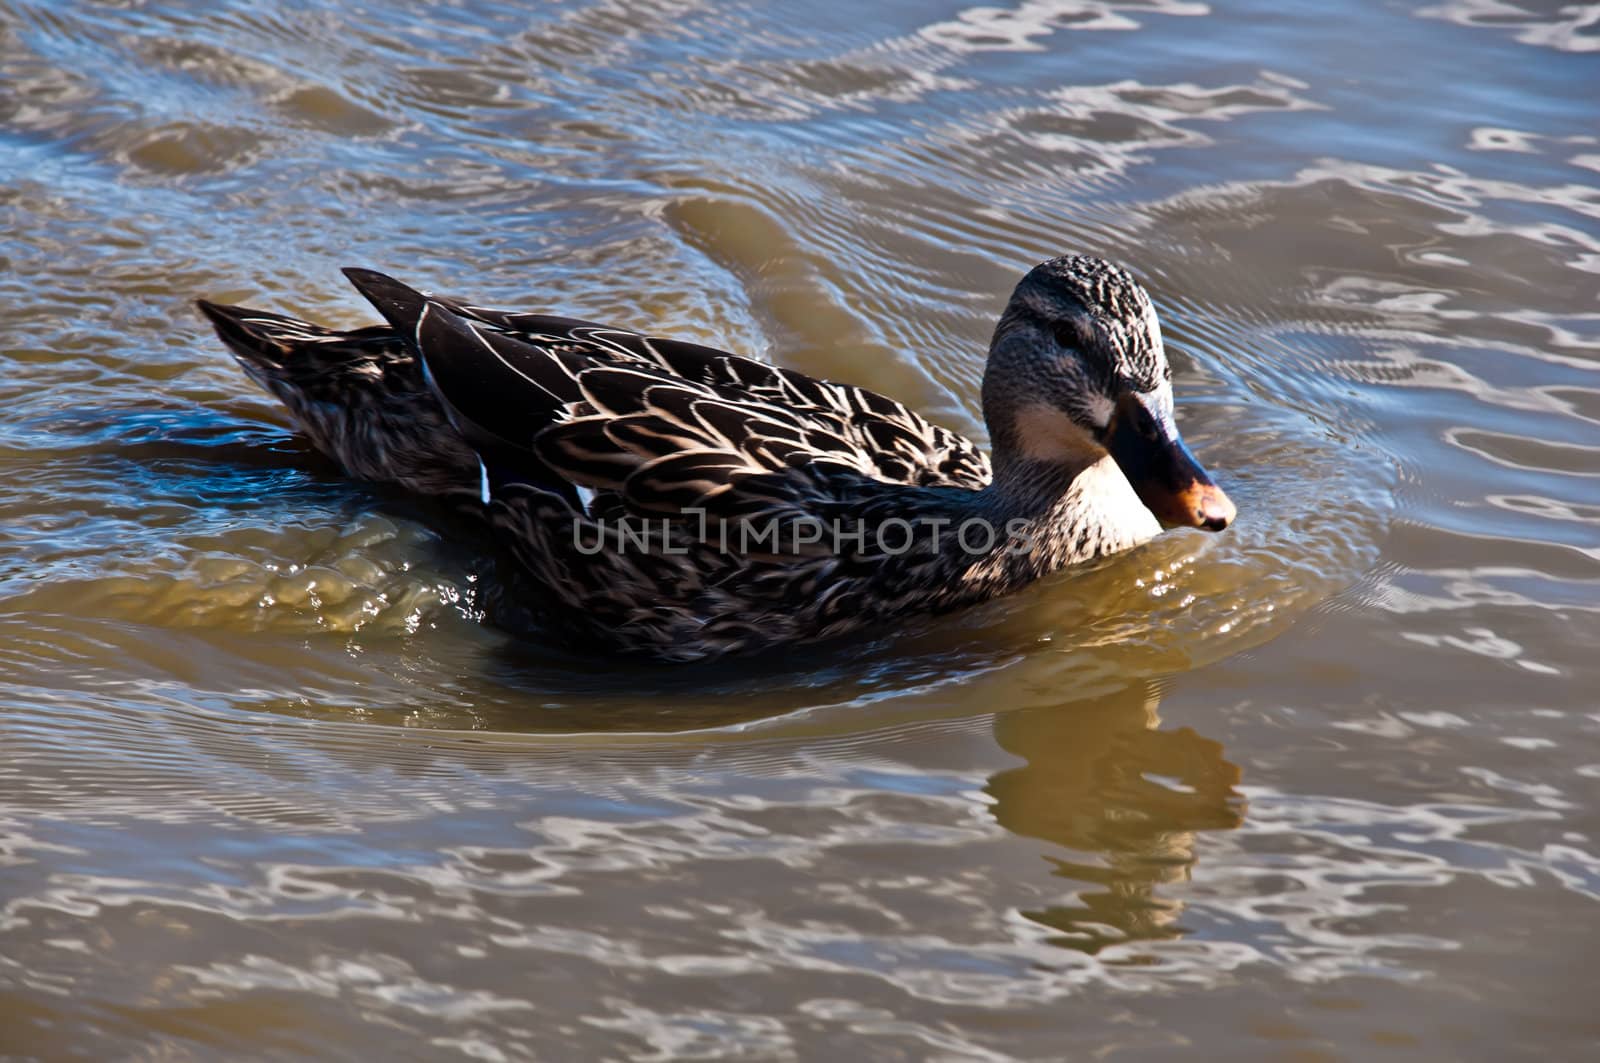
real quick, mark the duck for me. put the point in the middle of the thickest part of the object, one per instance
(665, 499)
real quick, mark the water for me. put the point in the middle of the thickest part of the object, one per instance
(1324, 786)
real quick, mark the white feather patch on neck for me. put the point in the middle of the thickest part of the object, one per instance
(1102, 496)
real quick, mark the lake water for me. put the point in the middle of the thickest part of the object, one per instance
(1324, 786)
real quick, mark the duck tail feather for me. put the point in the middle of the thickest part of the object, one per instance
(399, 304)
(259, 336)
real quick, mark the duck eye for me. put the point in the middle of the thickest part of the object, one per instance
(1066, 336)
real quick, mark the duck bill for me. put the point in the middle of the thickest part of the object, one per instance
(1144, 442)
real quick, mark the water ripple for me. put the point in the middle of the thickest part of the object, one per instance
(267, 779)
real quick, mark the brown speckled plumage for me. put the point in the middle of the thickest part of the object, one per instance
(623, 472)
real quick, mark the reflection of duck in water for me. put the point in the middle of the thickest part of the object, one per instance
(1102, 780)
(764, 507)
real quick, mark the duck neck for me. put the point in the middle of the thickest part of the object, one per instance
(1027, 488)
(1072, 509)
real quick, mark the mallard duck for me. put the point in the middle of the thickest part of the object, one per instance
(673, 500)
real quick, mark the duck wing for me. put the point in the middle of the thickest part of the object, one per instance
(667, 425)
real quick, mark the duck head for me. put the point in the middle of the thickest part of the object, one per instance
(1077, 371)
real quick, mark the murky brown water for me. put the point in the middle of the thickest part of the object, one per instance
(1327, 785)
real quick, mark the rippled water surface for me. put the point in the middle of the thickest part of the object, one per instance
(1324, 786)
